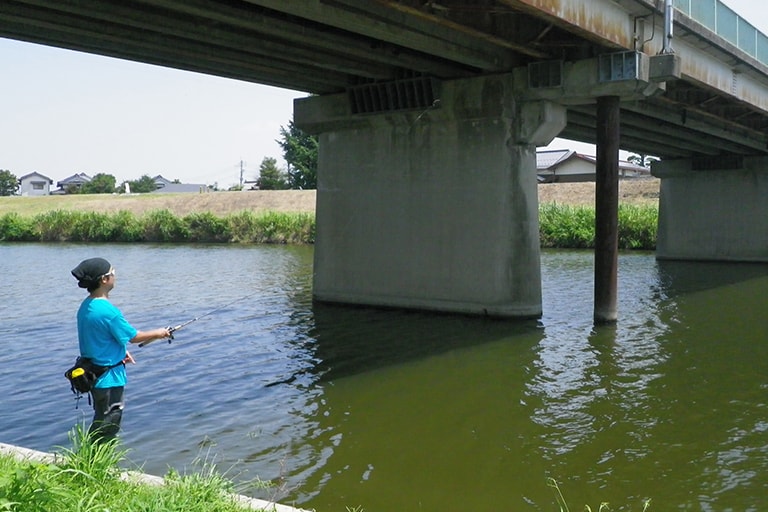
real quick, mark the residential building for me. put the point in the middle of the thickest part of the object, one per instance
(75, 181)
(35, 184)
(566, 166)
(165, 186)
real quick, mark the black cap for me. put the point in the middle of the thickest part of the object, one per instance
(90, 271)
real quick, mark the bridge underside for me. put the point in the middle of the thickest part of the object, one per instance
(322, 47)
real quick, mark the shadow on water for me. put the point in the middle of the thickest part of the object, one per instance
(350, 340)
(681, 277)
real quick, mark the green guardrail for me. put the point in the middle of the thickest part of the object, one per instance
(723, 21)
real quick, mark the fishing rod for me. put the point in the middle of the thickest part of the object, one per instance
(172, 329)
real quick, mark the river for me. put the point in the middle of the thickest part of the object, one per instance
(391, 410)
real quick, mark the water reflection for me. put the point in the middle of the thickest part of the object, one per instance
(682, 277)
(352, 340)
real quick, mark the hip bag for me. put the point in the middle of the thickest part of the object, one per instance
(84, 374)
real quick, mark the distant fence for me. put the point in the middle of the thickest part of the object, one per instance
(722, 20)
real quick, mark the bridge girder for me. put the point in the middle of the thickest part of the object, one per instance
(720, 103)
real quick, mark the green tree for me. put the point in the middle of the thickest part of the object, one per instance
(100, 184)
(9, 183)
(642, 159)
(300, 152)
(271, 177)
(142, 185)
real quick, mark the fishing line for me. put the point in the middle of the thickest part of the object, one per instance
(173, 329)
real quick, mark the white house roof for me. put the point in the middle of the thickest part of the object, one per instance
(551, 159)
(75, 178)
(35, 173)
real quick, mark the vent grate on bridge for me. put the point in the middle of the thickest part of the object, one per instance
(417, 93)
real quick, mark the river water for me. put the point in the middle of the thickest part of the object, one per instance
(341, 407)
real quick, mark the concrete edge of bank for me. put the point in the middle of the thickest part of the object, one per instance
(21, 453)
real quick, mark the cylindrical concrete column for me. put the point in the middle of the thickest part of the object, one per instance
(607, 209)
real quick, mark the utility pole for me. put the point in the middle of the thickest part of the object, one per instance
(241, 173)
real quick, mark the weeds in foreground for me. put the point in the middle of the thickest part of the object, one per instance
(89, 480)
(552, 483)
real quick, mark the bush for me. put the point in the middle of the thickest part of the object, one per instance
(573, 227)
(563, 226)
(206, 227)
(55, 226)
(91, 227)
(638, 226)
(127, 228)
(272, 228)
(15, 228)
(164, 226)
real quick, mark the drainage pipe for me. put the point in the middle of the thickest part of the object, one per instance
(669, 17)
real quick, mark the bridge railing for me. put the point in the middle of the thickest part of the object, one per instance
(722, 20)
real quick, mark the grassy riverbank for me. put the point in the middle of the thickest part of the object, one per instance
(88, 478)
(566, 217)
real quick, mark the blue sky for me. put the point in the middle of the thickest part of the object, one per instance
(63, 112)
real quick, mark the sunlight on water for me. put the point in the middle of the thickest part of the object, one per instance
(392, 410)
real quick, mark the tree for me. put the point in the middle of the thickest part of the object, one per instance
(642, 160)
(143, 184)
(300, 152)
(100, 184)
(271, 177)
(9, 183)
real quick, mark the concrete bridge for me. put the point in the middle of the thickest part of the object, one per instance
(429, 114)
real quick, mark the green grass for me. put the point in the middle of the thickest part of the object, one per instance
(88, 479)
(604, 506)
(560, 226)
(573, 227)
(159, 226)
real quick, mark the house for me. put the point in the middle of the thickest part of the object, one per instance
(74, 181)
(35, 184)
(566, 166)
(165, 186)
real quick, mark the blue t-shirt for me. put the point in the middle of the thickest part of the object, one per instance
(103, 334)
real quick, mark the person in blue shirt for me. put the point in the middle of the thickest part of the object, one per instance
(104, 335)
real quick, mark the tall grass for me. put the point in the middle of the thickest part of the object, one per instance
(159, 226)
(604, 506)
(573, 227)
(88, 479)
(272, 227)
(560, 226)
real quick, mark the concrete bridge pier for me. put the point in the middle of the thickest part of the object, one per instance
(434, 209)
(714, 209)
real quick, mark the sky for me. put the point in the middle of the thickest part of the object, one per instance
(64, 112)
